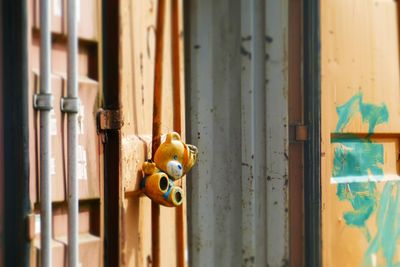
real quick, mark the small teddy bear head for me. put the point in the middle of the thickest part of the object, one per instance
(174, 157)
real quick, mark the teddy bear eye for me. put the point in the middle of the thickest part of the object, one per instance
(175, 157)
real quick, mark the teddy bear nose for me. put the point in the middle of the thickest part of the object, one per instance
(180, 166)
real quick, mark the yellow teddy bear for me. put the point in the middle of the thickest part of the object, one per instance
(172, 160)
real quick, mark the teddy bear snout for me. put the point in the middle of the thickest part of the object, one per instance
(175, 169)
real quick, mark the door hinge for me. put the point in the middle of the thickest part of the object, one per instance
(298, 133)
(108, 119)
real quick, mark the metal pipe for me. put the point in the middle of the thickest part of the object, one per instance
(157, 112)
(177, 121)
(45, 138)
(176, 66)
(72, 95)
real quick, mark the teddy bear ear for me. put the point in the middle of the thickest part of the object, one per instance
(172, 137)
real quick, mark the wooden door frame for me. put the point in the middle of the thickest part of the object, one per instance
(312, 152)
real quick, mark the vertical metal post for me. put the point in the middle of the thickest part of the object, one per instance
(312, 150)
(157, 114)
(177, 121)
(45, 139)
(71, 106)
(112, 157)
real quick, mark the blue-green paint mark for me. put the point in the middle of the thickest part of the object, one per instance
(388, 225)
(363, 200)
(347, 111)
(374, 115)
(371, 114)
(356, 156)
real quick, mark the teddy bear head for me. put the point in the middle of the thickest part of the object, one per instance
(174, 157)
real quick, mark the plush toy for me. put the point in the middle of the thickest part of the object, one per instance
(172, 160)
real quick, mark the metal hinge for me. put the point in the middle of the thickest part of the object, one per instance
(70, 104)
(298, 133)
(43, 101)
(108, 119)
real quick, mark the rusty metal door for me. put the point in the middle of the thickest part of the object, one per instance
(360, 130)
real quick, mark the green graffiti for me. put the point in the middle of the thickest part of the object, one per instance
(363, 200)
(388, 225)
(374, 115)
(360, 157)
(357, 157)
(347, 111)
(371, 114)
(354, 156)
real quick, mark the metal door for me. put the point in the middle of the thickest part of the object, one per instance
(360, 130)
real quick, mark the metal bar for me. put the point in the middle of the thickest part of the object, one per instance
(112, 160)
(177, 121)
(72, 93)
(45, 138)
(157, 112)
(312, 151)
(176, 66)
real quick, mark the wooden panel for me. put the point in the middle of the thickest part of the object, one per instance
(89, 250)
(88, 143)
(138, 20)
(87, 17)
(57, 12)
(88, 172)
(360, 55)
(58, 251)
(33, 166)
(59, 57)
(89, 244)
(360, 133)
(60, 222)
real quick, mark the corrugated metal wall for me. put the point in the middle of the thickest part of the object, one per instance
(237, 92)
